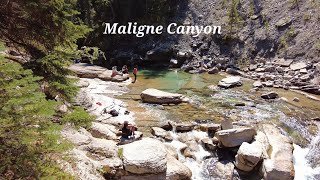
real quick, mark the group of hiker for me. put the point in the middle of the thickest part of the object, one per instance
(125, 70)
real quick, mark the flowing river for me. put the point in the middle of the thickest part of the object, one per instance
(242, 105)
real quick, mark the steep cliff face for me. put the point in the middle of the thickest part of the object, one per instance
(251, 31)
(256, 28)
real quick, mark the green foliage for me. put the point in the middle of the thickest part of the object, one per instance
(283, 42)
(28, 138)
(48, 31)
(2, 47)
(120, 153)
(234, 18)
(291, 33)
(52, 68)
(38, 27)
(251, 8)
(90, 54)
(287, 37)
(265, 21)
(79, 118)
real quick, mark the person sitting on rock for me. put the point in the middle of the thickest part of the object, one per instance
(125, 69)
(127, 132)
(115, 71)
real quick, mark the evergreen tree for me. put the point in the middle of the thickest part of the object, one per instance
(28, 138)
(47, 30)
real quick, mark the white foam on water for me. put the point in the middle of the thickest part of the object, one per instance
(303, 170)
(196, 166)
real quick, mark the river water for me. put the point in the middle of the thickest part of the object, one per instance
(211, 104)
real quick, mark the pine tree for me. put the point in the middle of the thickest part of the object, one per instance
(28, 138)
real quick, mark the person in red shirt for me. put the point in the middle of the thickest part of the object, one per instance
(135, 72)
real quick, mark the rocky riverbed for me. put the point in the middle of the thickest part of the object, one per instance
(252, 147)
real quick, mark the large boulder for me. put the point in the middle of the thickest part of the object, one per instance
(248, 156)
(160, 97)
(235, 137)
(176, 170)
(147, 156)
(279, 164)
(230, 82)
(84, 70)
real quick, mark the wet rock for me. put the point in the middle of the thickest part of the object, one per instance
(160, 53)
(185, 54)
(226, 124)
(84, 70)
(235, 137)
(208, 144)
(213, 70)
(160, 97)
(188, 153)
(233, 71)
(186, 127)
(176, 170)
(99, 130)
(230, 82)
(221, 170)
(270, 95)
(248, 156)
(298, 66)
(279, 164)
(159, 132)
(147, 156)
(257, 84)
(166, 125)
(173, 62)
